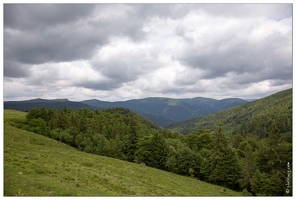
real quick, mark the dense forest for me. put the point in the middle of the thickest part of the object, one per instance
(252, 118)
(253, 159)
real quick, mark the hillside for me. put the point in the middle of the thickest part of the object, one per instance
(251, 118)
(164, 111)
(39, 103)
(161, 111)
(35, 165)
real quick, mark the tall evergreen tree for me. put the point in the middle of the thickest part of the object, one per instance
(260, 184)
(247, 166)
(224, 161)
(219, 146)
(130, 142)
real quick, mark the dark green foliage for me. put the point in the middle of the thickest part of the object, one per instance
(152, 150)
(237, 139)
(247, 165)
(224, 161)
(271, 158)
(198, 140)
(226, 171)
(38, 125)
(116, 148)
(252, 118)
(100, 144)
(114, 132)
(205, 169)
(182, 160)
(130, 142)
(277, 185)
(260, 184)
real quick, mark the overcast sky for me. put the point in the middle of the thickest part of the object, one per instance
(129, 51)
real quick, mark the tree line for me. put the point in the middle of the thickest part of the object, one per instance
(254, 165)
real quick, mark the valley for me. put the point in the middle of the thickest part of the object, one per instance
(162, 111)
(244, 148)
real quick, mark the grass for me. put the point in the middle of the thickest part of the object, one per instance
(38, 166)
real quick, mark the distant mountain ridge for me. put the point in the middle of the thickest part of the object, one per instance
(168, 110)
(47, 103)
(162, 111)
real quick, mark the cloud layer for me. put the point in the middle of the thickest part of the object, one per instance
(125, 51)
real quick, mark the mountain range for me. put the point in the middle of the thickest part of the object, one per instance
(162, 111)
(47, 103)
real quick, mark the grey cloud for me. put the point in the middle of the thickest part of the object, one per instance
(179, 31)
(50, 46)
(104, 85)
(40, 33)
(126, 26)
(127, 64)
(277, 82)
(15, 69)
(62, 37)
(32, 16)
(253, 57)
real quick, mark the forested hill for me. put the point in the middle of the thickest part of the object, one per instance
(252, 118)
(46, 103)
(38, 166)
(164, 111)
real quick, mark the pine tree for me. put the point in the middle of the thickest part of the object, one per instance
(260, 184)
(247, 166)
(130, 142)
(277, 185)
(224, 161)
(219, 146)
(205, 171)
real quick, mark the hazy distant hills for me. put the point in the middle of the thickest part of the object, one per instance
(162, 111)
(39, 103)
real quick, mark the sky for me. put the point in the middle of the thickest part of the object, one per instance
(117, 52)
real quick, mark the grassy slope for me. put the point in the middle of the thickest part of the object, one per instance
(38, 166)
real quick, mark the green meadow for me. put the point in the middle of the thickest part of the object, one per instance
(35, 165)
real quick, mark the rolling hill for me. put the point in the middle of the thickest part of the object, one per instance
(35, 165)
(250, 118)
(164, 111)
(39, 103)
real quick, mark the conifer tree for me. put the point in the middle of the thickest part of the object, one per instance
(247, 166)
(260, 184)
(130, 142)
(205, 169)
(224, 161)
